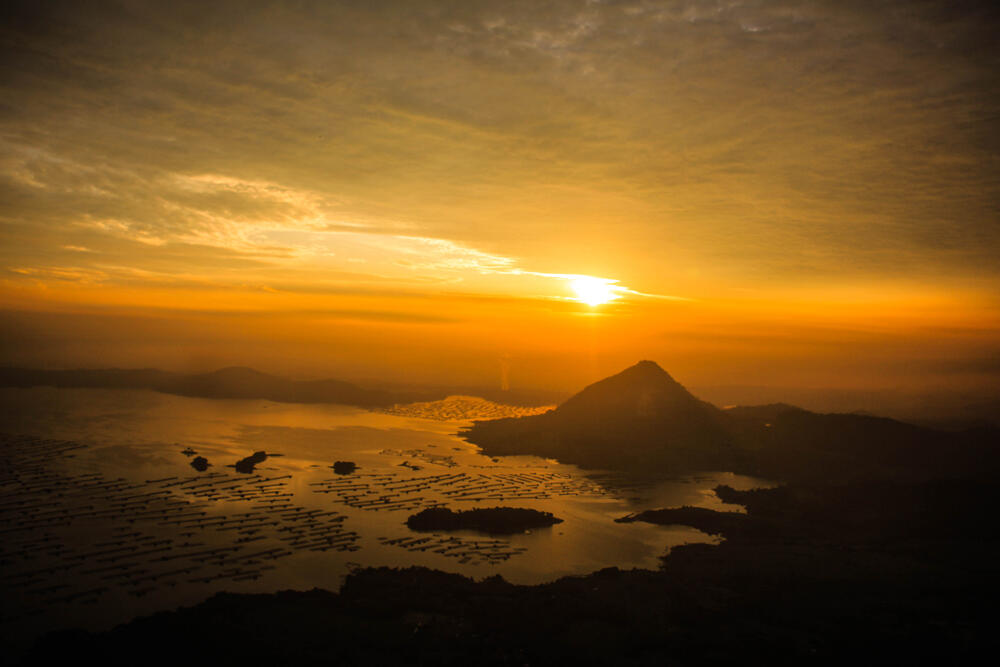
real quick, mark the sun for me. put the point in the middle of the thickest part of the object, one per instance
(593, 291)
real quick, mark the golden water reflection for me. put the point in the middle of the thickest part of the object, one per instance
(105, 518)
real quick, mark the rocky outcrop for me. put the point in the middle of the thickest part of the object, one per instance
(246, 466)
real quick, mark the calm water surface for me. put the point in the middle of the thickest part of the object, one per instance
(103, 518)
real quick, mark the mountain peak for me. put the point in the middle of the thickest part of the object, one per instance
(645, 368)
(644, 390)
(646, 375)
(647, 365)
(639, 417)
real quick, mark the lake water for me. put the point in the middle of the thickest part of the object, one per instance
(103, 518)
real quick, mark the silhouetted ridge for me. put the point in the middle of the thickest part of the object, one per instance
(641, 391)
(764, 413)
(233, 382)
(642, 419)
(638, 418)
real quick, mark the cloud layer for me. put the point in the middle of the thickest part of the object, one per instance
(692, 148)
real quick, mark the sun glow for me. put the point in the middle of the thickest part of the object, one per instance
(593, 291)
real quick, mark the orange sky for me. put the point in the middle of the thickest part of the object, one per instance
(788, 193)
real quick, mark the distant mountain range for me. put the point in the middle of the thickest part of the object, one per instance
(234, 382)
(643, 420)
(247, 383)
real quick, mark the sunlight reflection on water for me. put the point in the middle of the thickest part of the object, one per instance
(106, 519)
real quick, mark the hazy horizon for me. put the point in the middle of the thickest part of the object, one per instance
(932, 406)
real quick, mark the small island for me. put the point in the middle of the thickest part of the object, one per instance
(246, 465)
(492, 520)
(344, 467)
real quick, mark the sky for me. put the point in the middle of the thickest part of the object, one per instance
(782, 193)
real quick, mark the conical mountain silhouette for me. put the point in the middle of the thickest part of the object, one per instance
(638, 418)
(644, 391)
(643, 420)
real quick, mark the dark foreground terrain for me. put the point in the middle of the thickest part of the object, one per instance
(861, 574)
(881, 548)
